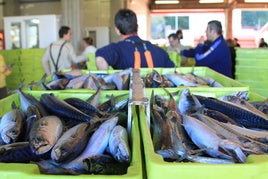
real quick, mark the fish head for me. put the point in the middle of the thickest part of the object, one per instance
(40, 145)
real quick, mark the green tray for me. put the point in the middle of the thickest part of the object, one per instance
(255, 167)
(23, 171)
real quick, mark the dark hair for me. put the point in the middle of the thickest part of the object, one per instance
(173, 35)
(88, 40)
(63, 30)
(179, 32)
(126, 21)
(215, 25)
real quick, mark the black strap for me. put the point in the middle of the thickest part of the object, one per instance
(53, 61)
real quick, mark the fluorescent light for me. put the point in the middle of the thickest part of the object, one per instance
(211, 1)
(256, 1)
(166, 2)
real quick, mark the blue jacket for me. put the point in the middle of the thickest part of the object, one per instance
(215, 55)
(120, 55)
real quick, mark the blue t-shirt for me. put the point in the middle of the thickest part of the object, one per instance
(215, 55)
(120, 55)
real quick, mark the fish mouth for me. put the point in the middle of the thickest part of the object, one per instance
(40, 147)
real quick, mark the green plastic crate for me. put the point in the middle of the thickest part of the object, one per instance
(255, 167)
(23, 171)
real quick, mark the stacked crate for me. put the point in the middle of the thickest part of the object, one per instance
(252, 69)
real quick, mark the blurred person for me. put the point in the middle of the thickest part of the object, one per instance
(5, 70)
(88, 46)
(236, 44)
(213, 53)
(176, 46)
(131, 51)
(179, 34)
(231, 44)
(262, 43)
(61, 54)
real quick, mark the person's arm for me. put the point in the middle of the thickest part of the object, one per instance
(73, 56)
(45, 63)
(101, 63)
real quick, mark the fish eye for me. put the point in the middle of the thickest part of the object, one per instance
(13, 131)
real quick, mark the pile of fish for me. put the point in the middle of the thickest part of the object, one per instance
(194, 128)
(155, 80)
(75, 79)
(67, 136)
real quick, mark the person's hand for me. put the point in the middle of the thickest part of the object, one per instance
(8, 68)
(201, 40)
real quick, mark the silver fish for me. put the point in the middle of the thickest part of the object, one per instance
(188, 103)
(77, 82)
(96, 144)
(118, 144)
(45, 133)
(180, 80)
(11, 125)
(92, 82)
(207, 138)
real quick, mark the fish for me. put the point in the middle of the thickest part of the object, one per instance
(27, 100)
(11, 125)
(71, 143)
(207, 138)
(153, 79)
(20, 152)
(188, 103)
(197, 79)
(32, 115)
(261, 106)
(83, 106)
(241, 115)
(96, 145)
(209, 160)
(248, 145)
(94, 99)
(45, 133)
(211, 82)
(50, 167)
(59, 107)
(180, 80)
(118, 145)
(111, 105)
(92, 82)
(243, 103)
(77, 82)
(105, 165)
(219, 116)
(259, 135)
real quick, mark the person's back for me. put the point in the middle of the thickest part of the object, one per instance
(131, 51)
(60, 55)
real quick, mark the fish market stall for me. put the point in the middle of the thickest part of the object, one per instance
(15, 162)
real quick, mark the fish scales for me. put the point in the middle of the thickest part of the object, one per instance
(240, 115)
(59, 107)
(82, 106)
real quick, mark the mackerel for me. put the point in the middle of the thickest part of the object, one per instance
(243, 116)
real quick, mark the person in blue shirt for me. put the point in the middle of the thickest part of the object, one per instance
(213, 53)
(131, 51)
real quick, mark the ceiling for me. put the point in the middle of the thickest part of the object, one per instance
(194, 4)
